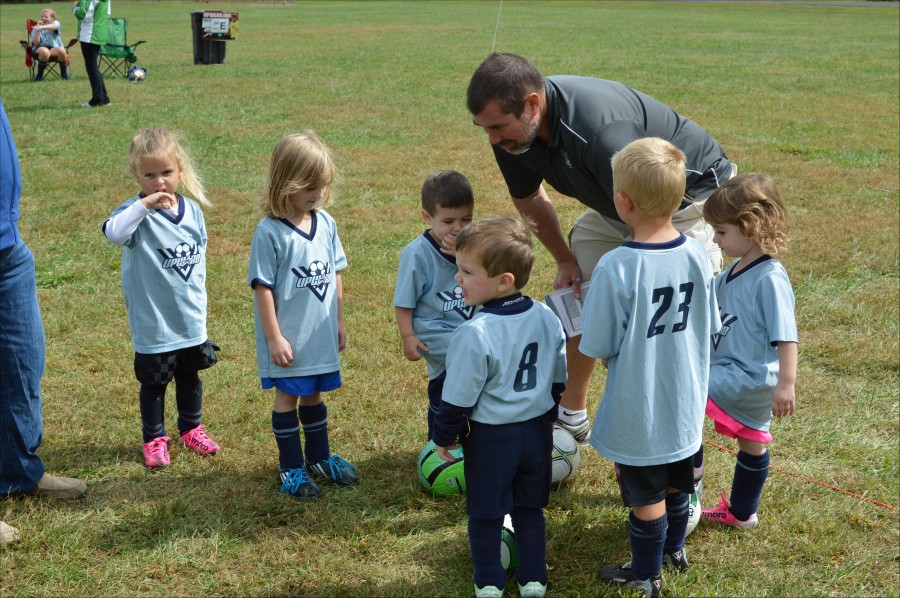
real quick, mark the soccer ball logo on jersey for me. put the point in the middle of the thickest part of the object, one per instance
(453, 301)
(315, 278)
(182, 258)
(727, 321)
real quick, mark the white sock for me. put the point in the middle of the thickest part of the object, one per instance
(572, 417)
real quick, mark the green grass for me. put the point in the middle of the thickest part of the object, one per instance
(807, 93)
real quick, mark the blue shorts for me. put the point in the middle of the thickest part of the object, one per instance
(507, 465)
(304, 386)
(649, 484)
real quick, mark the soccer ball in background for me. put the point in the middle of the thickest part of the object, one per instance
(693, 514)
(136, 74)
(509, 550)
(566, 455)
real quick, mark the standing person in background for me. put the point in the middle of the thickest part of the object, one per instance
(21, 352)
(564, 130)
(93, 28)
(46, 44)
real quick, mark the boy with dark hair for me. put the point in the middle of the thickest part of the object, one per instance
(506, 368)
(649, 316)
(427, 301)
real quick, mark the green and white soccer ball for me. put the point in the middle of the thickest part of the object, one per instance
(509, 551)
(440, 477)
(693, 514)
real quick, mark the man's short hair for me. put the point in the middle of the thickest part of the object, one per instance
(505, 79)
(447, 189)
(502, 244)
(652, 172)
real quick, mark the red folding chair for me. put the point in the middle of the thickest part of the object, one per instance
(31, 59)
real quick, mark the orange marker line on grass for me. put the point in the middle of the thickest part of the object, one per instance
(814, 481)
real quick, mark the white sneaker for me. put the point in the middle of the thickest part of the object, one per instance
(488, 592)
(8, 534)
(580, 432)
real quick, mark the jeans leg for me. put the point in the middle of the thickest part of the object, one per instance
(21, 368)
(91, 53)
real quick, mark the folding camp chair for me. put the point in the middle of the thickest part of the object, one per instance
(116, 54)
(31, 59)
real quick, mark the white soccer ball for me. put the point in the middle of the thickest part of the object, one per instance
(182, 250)
(566, 455)
(693, 514)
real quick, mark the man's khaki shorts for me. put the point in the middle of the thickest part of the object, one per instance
(593, 235)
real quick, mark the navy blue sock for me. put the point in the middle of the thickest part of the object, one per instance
(315, 431)
(647, 539)
(484, 542)
(286, 428)
(189, 399)
(153, 403)
(750, 473)
(531, 540)
(435, 389)
(677, 511)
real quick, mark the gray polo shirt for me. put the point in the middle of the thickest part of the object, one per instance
(590, 120)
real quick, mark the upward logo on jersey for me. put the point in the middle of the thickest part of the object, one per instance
(315, 278)
(453, 301)
(182, 259)
(727, 321)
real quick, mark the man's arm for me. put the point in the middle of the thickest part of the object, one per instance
(539, 211)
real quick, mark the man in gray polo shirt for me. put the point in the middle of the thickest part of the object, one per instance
(564, 130)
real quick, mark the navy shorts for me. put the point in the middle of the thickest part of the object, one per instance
(649, 484)
(159, 368)
(436, 388)
(304, 386)
(508, 465)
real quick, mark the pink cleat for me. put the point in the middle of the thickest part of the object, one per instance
(722, 514)
(199, 442)
(156, 452)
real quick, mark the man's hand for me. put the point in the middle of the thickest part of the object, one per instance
(568, 274)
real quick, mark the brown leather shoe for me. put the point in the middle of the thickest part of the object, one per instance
(8, 534)
(58, 487)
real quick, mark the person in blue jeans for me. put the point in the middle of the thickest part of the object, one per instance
(21, 352)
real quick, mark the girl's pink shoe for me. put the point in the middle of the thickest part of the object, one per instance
(722, 514)
(199, 442)
(156, 452)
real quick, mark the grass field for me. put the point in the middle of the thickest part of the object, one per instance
(807, 93)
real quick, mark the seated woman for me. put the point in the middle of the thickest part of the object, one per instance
(46, 44)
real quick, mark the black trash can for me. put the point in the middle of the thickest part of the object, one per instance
(205, 51)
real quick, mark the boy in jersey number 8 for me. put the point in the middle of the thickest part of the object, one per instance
(506, 369)
(648, 316)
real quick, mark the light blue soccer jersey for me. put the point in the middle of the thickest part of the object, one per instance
(757, 309)
(650, 311)
(164, 278)
(503, 362)
(425, 284)
(300, 269)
